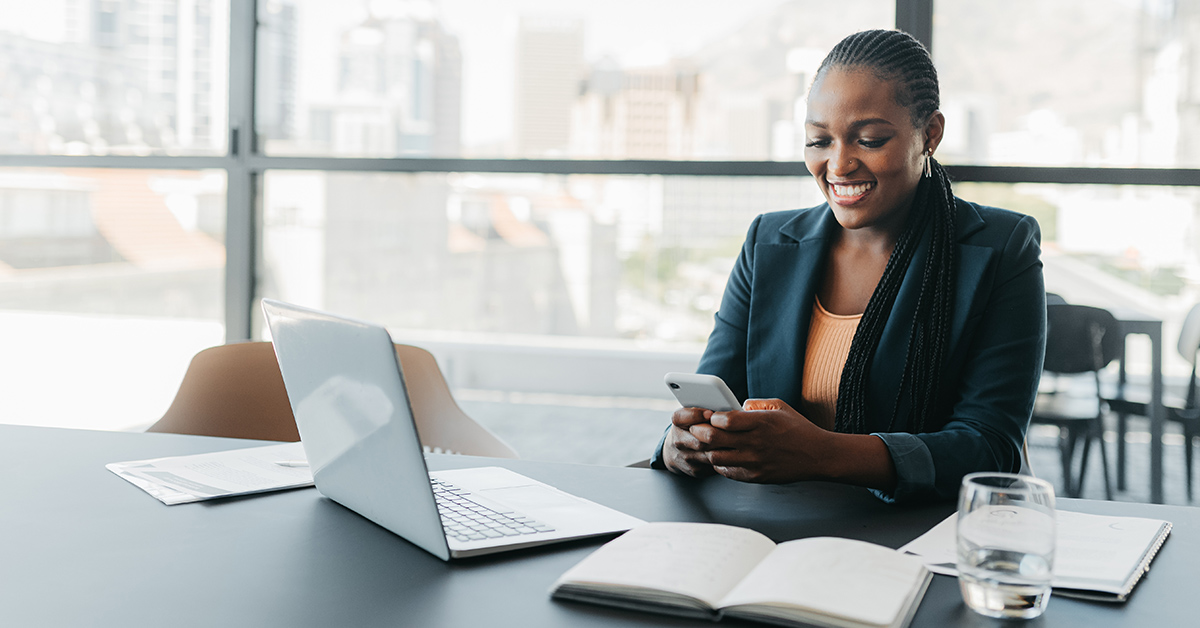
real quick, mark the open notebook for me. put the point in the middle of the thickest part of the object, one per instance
(722, 571)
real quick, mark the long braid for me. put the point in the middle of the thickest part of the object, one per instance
(898, 57)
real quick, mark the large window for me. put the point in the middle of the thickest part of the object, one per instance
(638, 258)
(110, 280)
(549, 193)
(624, 79)
(109, 77)
(1071, 82)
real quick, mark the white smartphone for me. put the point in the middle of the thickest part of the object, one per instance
(702, 391)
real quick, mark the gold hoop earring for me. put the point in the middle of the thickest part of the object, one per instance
(928, 163)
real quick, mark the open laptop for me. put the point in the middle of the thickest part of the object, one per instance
(356, 424)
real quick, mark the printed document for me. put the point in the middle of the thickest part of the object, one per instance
(184, 479)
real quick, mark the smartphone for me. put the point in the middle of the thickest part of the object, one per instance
(702, 391)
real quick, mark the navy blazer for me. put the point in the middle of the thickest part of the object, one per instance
(994, 357)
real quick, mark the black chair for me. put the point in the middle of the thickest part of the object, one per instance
(1079, 339)
(1135, 400)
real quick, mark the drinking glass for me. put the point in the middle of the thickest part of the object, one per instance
(1005, 544)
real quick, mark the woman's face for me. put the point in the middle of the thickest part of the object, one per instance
(863, 150)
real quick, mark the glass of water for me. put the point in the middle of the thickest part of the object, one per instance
(1005, 544)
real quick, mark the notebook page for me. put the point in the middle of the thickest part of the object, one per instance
(1100, 553)
(700, 560)
(855, 580)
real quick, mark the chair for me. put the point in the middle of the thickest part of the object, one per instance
(236, 391)
(1131, 400)
(443, 426)
(1079, 339)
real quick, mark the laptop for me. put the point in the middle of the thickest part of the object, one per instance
(356, 424)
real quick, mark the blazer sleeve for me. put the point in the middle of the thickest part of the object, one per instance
(725, 353)
(997, 387)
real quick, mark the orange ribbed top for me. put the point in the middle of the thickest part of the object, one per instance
(829, 338)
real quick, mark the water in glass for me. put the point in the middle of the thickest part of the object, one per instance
(1006, 531)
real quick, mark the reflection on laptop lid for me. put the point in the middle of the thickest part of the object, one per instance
(352, 409)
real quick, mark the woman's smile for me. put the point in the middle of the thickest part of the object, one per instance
(850, 193)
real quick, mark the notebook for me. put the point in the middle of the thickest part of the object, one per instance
(1096, 557)
(356, 424)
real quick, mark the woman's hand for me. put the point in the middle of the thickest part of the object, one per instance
(682, 451)
(767, 441)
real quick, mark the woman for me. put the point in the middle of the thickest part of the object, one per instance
(891, 338)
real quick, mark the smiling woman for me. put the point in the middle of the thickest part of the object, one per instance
(890, 338)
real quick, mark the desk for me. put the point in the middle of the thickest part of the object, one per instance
(1134, 322)
(81, 547)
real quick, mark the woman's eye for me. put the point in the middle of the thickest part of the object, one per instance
(816, 143)
(872, 143)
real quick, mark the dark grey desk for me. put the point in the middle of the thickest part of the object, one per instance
(81, 547)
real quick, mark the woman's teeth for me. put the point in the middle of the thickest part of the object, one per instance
(850, 191)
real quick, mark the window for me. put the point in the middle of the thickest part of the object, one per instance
(1070, 83)
(638, 258)
(110, 281)
(86, 79)
(672, 79)
(529, 185)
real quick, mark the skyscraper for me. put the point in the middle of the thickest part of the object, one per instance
(549, 70)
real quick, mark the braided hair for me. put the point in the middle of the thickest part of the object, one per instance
(897, 57)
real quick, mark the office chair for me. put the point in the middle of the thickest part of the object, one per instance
(233, 391)
(1079, 339)
(236, 391)
(1135, 400)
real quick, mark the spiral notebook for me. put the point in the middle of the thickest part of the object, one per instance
(1097, 557)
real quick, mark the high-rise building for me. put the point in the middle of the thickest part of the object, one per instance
(643, 113)
(549, 70)
(275, 78)
(183, 47)
(397, 92)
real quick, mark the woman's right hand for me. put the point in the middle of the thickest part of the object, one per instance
(683, 452)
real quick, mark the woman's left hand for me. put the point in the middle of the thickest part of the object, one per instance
(767, 442)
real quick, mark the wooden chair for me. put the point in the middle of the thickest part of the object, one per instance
(236, 391)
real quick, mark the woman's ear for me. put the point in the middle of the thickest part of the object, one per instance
(933, 131)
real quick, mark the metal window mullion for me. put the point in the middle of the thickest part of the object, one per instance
(915, 17)
(240, 168)
(241, 232)
(1069, 175)
(152, 162)
(260, 163)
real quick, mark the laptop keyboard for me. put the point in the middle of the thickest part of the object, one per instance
(466, 520)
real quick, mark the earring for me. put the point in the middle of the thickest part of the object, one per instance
(929, 163)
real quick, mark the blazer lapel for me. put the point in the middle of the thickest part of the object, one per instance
(786, 277)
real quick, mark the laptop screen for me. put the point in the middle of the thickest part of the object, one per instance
(352, 409)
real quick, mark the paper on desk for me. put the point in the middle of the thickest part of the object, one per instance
(184, 479)
(1093, 552)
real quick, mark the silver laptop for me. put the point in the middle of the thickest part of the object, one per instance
(348, 394)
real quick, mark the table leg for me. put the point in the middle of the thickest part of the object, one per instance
(1157, 416)
(1122, 425)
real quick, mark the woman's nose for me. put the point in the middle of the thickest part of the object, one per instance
(842, 162)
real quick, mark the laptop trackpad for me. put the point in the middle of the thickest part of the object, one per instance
(530, 498)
